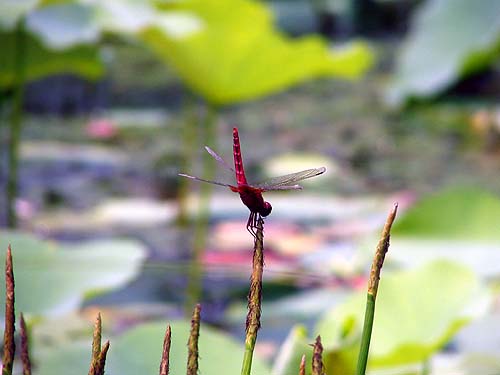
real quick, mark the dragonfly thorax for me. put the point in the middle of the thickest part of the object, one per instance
(266, 209)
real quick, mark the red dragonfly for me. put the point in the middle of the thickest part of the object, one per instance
(251, 194)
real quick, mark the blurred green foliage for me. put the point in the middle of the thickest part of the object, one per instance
(64, 36)
(297, 343)
(54, 279)
(450, 40)
(456, 213)
(413, 318)
(458, 223)
(225, 51)
(138, 351)
(239, 55)
(41, 61)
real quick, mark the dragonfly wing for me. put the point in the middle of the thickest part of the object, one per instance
(274, 188)
(289, 180)
(209, 181)
(219, 159)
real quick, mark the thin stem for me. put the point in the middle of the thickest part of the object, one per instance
(302, 368)
(366, 335)
(165, 357)
(9, 346)
(195, 276)
(378, 261)
(25, 355)
(15, 125)
(193, 353)
(317, 358)
(98, 355)
(102, 359)
(96, 345)
(188, 145)
(3, 144)
(426, 367)
(98, 360)
(254, 298)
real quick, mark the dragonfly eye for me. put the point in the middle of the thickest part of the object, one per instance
(266, 210)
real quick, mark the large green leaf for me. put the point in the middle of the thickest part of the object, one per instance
(131, 16)
(456, 213)
(483, 257)
(449, 40)
(295, 346)
(40, 61)
(238, 55)
(138, 351)
(458, 224)
(59, 37)
(62, 26)
(62, 35)
(52, 279)
(474, 364)
(12, 10)
(64, 23)
(417, 312)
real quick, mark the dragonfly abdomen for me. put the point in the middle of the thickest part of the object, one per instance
(238, 159)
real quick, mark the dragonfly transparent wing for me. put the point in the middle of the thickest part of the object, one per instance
(209, 181)
(219, 159)
(288, 181)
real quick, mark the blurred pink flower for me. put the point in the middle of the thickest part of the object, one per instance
(24, 209)
(101, 128)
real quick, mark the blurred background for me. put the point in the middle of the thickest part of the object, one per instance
(103, 103)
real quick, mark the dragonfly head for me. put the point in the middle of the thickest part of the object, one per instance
(266, 210)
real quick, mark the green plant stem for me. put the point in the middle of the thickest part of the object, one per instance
(195, 273)
(254, 298)
(366, 335)
(426, 368)
(188, 147)
(378, 262)
(15, 125)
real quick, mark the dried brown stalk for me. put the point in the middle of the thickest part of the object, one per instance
(371, 296)
(254, 298)
(9, 347)
(98, 360)
(165, 357)
(25, 356)
(302, 368)
(317, 359)
(193, 355)
(101, 359)
(382, 248)
(96, 345)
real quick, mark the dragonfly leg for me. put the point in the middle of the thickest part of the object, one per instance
(252, 224)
